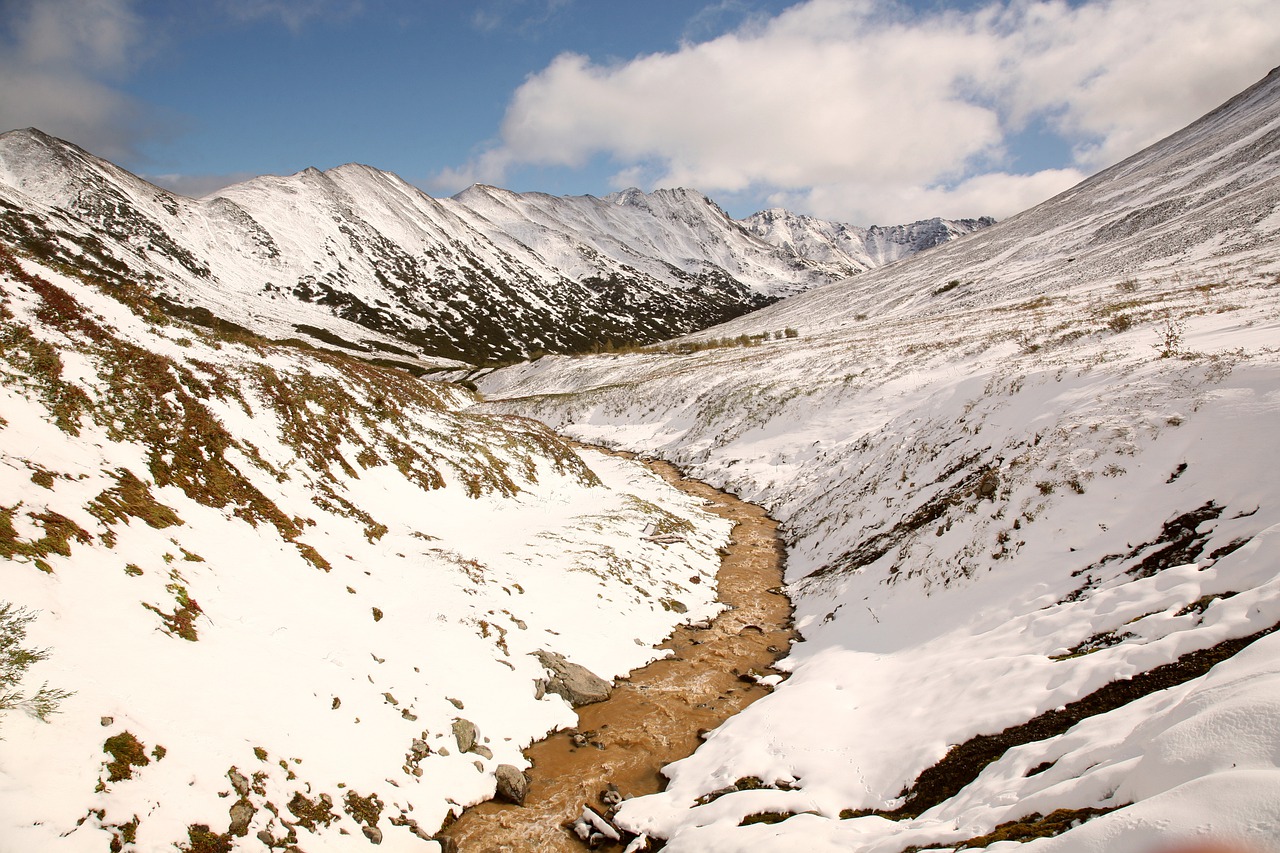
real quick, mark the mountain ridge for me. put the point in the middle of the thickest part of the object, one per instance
(378, 265)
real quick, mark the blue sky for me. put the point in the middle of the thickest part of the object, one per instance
(866, 111)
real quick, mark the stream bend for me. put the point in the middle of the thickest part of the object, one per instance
(657, 713)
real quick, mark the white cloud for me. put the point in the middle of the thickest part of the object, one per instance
(294, 14)
(997, 194)
(898, 114)
(57, 61)
(197, 186)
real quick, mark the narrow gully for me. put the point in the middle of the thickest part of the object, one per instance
(656, 714)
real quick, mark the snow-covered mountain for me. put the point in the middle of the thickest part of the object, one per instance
(1028, 486)
(851, 246)
(357, 258)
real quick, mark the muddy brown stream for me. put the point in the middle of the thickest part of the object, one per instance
(657, 713)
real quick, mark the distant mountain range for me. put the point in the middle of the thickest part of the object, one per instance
(357, 258)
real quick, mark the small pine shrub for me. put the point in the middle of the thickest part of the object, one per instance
(16, 659)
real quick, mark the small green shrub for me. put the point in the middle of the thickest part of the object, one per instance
(1169, 338)
(16, 659)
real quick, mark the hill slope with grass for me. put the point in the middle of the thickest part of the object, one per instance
(265, 595)
(1027, 486)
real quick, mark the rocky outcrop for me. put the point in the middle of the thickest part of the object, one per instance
(577, 684)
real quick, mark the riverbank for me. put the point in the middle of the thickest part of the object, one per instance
(657, 714)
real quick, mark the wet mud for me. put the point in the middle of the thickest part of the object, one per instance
(656, 714)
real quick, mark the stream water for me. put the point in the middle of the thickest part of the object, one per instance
(657, 713)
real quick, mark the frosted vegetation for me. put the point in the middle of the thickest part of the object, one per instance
(255, 591)
(1026, 486)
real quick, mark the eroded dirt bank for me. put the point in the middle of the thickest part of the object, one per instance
(656, 714)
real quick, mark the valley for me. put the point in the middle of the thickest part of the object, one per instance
(290, 595)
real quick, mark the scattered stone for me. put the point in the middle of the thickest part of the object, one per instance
(513, 784)
(239, 782)
(482, 751)
(465, 733)
(575, 683)
(419, 749)
(372, 833)
(594, 829)
(265, 836)
(242, 812)
(408, 715)
(457, 703)
(611, 797)
(106, 721)
(988, 485)
(377, 617)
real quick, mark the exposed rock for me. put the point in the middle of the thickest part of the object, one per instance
(577, 684)
(239, 781)
(482, 751)
(242, 812)
(594, 829)
(513, 785)
(372, 833)
(464, 732)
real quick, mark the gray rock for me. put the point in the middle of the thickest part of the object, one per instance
(577, 684)
(239, 781)
(372, 833)
(242, 812)
(465, 733)
(513, 785)
(482, 751)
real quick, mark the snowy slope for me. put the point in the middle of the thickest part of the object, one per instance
(1027, 484)
(280, 584)
(356, 258)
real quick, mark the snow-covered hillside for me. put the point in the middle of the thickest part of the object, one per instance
(1028, 484)
(357, 258)
(295, 598)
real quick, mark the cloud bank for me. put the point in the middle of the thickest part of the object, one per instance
(866, 111)
(58, 59)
